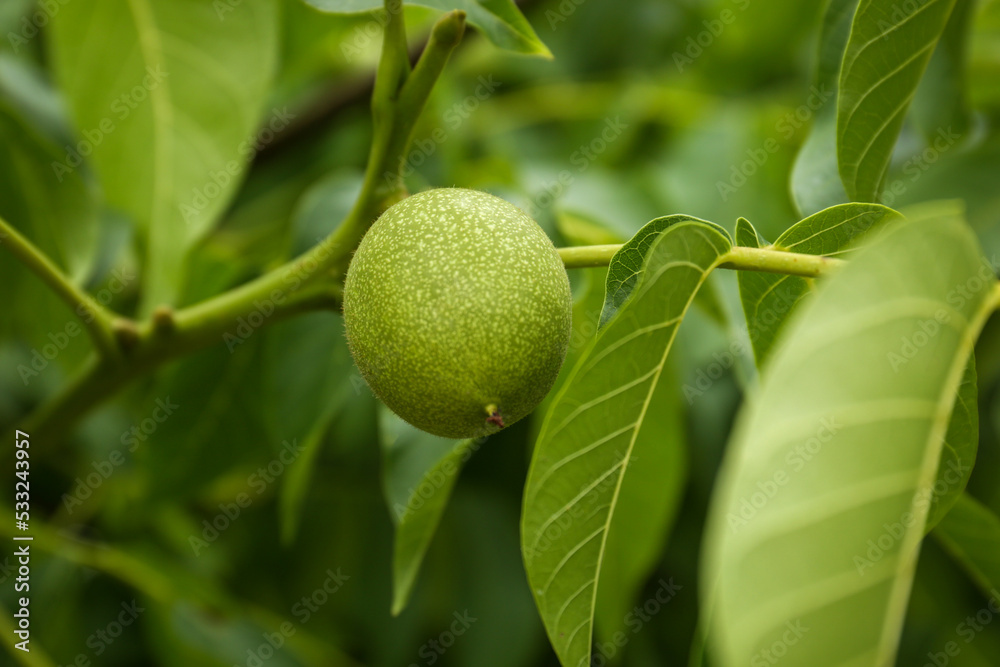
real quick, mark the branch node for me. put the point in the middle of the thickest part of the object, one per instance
(163, 319)
(126, 333)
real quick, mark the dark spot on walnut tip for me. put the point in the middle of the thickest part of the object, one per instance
(495, 418)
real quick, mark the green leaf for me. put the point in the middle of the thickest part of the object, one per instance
(168, 114)
(984, 56)
(941, 102)
(970, 532)
(959, 452)
(650, 492)
(626, 266)
(886, 55)
(306, 382)
(591, 430)
(588, 300)
(201, 419)
(60, 218)
(26, 88)
(815, 181)
(322, 206)
(768, 298)
(646, 508)
(295, 487)
(746, 235)
(306, 367)
(500, 20)
(309, 376)
(419, 472)
(822, 500)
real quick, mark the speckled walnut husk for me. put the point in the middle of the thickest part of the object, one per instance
(457, 309)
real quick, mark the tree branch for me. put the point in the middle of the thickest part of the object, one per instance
(97, 320)
(313, 281)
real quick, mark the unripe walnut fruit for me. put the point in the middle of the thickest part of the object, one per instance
(457, 308)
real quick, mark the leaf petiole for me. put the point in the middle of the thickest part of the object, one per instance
(767, 260)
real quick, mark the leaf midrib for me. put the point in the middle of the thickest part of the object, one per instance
(150, 47)
(635, 433)
(900, 592)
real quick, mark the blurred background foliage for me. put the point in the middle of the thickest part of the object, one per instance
(678, 118)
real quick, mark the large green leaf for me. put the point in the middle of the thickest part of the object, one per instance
(815, 181)
(419, 471)
(500, 20)
(167, 111)
(885, 58)
(823, 497)
(650, 493)
(769, 298)
(590, 433)
(971, 534)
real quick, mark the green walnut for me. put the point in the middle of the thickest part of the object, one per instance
(457, 309)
